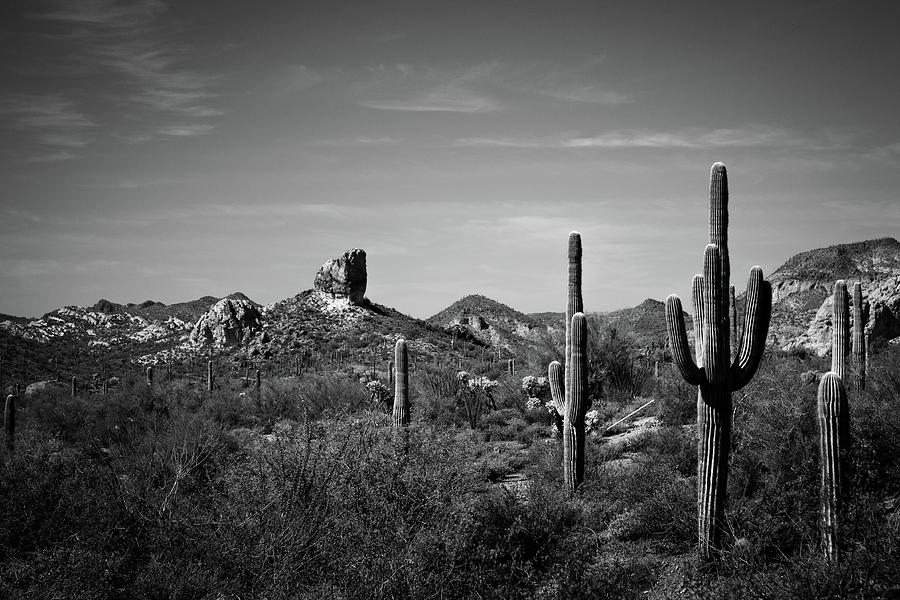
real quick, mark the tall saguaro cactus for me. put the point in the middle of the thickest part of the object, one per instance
(576, 405)
(568, 386)
(401, 384)
(832, 399)
(150, 376)
(557, 374)
(716, 374)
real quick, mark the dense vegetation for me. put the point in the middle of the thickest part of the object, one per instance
(304, 490)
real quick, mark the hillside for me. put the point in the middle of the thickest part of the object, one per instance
(803, 285)
(479, 318)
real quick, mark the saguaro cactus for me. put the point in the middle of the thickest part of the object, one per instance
(9, 422)
(74, 385)
(576, 406)
(714, 372)
(150, 376)
(570, 404)
(574, 304)
(832, 399)
(209, 376)
(840, 329)
(859, 336)
(258, 379)
(401, 384)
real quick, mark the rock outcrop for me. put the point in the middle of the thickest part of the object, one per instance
(228, 322)
(344, 277)
(802, 292)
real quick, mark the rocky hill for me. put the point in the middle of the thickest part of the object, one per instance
(803, 285)
(489, 322)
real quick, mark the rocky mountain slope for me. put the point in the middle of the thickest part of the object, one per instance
(803, 285)
(493, 323)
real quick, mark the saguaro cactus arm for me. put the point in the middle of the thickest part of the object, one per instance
(697, 301)
(555, 376)
(714, 328)
(757, 313)
(681, 350)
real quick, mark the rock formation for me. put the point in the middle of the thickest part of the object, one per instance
(344, 277)
(228, 322)
(803, 300)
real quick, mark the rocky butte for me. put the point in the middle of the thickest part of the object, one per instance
(228, 322)
(344, 277)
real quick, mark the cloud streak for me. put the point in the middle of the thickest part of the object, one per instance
(696, 138)
(128, 49)
(405, 88)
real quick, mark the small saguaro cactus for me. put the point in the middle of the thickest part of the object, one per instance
(832, 399)
(9, 422)
(258, 379)
(401, 386)
(714, 372)
(576, 406)
(150, 376)
(74, 385)
(840, 329)
(858, 341)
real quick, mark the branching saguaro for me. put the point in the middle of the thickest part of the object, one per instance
(401, 384)
(568, 385)
(714, 372)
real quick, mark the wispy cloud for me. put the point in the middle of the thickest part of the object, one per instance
(403, 87)
(888, 155)
(588, 94)
(51, 122)
(697, 138)
(190, 130)
(128, 48)
(444, 99)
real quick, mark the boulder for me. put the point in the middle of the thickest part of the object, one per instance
(344, 277)
(44, 387)
(228, 322)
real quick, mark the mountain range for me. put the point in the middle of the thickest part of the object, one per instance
(335, 322)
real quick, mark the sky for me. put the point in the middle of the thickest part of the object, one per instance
(170, 150)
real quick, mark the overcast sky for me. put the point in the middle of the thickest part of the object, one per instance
(169, 150)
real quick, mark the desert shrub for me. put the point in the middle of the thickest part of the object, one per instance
(677, 404)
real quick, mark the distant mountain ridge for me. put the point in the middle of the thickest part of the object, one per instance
(321, 322)
(860, 261)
